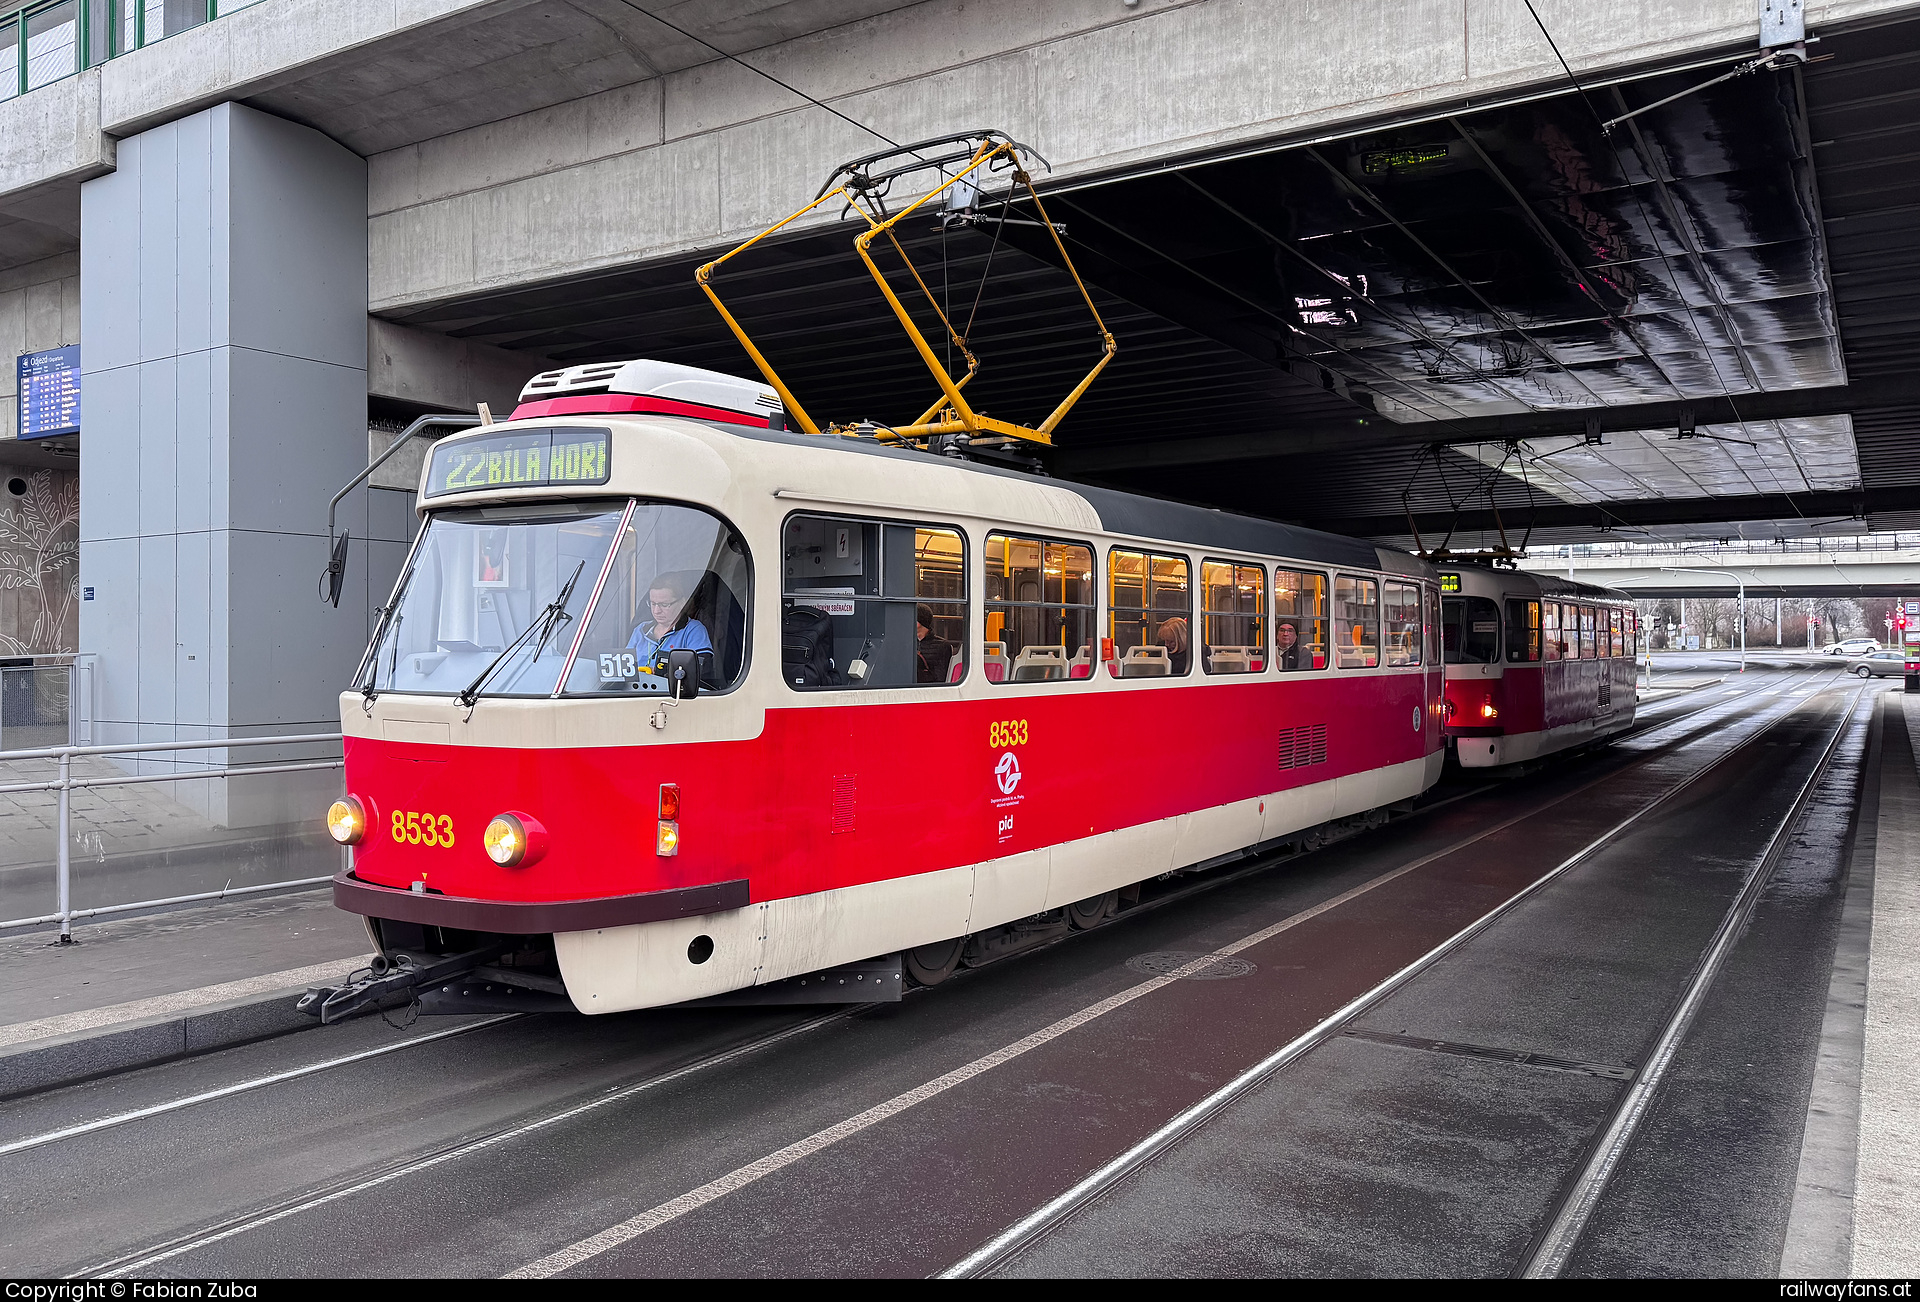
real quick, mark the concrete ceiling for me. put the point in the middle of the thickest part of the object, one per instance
(495, 62)
(482, 64)
(1502, 317)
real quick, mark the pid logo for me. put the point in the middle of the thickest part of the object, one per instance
(1007, 773)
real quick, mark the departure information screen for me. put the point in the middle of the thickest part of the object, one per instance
(524, 458)
(1449, 583)
(49, 392)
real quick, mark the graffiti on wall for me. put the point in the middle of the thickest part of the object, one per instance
(39, 562)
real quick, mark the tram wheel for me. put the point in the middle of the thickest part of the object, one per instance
(929, 965)
(1085, 915)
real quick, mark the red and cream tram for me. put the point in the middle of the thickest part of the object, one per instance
(671, 702)
(1535, 664)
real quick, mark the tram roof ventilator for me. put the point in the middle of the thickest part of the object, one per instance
(653, 388)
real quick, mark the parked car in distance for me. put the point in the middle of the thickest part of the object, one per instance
(1878, 664)
(1853, 646)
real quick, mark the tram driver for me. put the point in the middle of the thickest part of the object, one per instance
(668, 627)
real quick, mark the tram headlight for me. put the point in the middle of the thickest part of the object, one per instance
(514, 839)
(1488, 710)
(347, 820)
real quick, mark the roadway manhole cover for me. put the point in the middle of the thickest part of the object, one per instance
(1163, 961)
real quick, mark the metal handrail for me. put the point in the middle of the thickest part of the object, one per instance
(66, 784)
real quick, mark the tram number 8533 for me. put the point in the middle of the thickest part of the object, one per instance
(1011, 732)
(423, 829)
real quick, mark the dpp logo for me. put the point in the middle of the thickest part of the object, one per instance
(1007, 773)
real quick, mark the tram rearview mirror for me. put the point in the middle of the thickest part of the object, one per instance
(683, 674)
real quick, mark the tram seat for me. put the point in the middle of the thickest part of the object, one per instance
(959, 670)
(1040, 664)
(994, 660)
(1146, 662)
(1229, 660)
(1081, 666)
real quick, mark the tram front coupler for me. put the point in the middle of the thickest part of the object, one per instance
(395, 979)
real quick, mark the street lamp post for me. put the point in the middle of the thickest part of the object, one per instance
(1722, 574)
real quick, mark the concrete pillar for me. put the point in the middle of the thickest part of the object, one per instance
(223, 289)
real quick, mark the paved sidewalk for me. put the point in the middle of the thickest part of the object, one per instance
(1886, 1235)
(134, 968)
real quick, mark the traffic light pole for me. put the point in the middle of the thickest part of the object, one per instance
(1733, 578)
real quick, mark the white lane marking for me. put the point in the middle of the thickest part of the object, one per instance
(145, 1263)
(671, 1210)
(239, 1087)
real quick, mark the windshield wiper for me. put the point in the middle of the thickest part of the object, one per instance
(544, 624)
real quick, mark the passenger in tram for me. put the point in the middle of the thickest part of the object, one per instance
(931, 655)
(668, 627)
(1286, 644)
(1173, 636)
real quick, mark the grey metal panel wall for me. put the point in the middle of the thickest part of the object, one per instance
(223, 342)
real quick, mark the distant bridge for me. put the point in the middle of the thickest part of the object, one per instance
(1843, 573)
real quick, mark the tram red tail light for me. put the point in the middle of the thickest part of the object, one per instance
(666, 837)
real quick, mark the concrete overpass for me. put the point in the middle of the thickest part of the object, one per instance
(1859, 574)
(1364, 274)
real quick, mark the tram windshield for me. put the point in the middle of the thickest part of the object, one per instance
(1470, 630)
(496, 597)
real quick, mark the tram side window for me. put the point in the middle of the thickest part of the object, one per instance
(1470, 630)
(1040, 610)
(1299, 620)
(1619, 632)
(869, 603)
(1149, 615)
(1233, 616)
(1586, 633)
(1356, 622)
(1550, 644)
(1629, 620)
(1523, 629)
(1400, 604)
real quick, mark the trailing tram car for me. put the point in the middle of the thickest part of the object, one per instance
(1535, 664)
(671, 702)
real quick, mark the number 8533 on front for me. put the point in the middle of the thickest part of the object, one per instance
(411, 828)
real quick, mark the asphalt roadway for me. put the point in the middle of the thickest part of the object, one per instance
(1436, 1133)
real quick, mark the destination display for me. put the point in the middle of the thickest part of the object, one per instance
(1449, 583)
(524, 458)
(49, 389)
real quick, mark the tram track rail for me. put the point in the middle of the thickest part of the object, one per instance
(155, 1254)
(1555, 1243)
(365, 1181)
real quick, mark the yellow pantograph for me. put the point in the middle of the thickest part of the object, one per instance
(862, 184)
